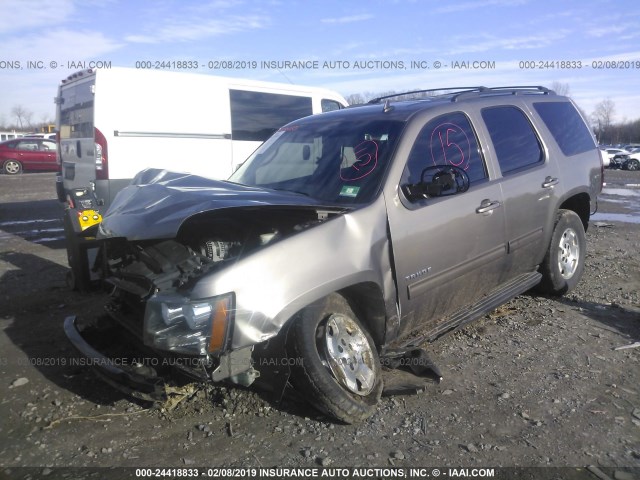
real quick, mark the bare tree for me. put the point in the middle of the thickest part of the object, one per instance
(23, 116)
(604, 112)
(602, 118)
(561, 88)
(355, 99)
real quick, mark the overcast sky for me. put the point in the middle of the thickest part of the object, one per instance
(349, 46)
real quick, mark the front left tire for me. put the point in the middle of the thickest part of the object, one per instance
(335, 362)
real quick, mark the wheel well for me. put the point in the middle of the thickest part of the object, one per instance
(580, 204)
(367, 302)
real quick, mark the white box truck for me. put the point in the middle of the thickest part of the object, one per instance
(113, 123)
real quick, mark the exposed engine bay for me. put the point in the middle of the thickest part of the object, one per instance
(205, 243)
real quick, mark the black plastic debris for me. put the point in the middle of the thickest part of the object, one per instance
(408, 371)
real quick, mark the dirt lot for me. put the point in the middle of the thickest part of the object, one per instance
(539, 382)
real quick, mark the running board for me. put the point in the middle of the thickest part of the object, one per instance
(487, 304)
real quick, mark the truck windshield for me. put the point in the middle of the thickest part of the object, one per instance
(332, 160)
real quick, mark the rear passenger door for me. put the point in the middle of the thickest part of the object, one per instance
(448, 250)
(529, 183)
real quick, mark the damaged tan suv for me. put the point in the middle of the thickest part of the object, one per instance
(346, 237)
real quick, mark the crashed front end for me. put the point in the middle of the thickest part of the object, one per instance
(226, 270)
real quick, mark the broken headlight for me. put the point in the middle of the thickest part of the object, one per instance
(192, 327)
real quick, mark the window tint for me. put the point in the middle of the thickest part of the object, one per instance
(513, 138)
(256, 115)
(329, 105)
(567, 127)
(446, 140)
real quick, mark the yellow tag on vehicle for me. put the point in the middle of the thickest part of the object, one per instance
(88, 218)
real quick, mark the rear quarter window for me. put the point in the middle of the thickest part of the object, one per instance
(567, 127)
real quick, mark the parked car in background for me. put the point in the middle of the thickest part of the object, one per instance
(616, 157)
(620, 158)
(23, 154)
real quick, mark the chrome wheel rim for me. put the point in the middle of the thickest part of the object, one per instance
(349, 355)
(568, 253)
(12, 167)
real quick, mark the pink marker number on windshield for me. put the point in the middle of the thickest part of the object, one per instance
(366, 161)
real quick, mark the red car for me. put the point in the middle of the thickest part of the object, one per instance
(28, 154)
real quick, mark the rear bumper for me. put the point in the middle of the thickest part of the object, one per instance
(126, 378)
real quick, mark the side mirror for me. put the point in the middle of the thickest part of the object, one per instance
(438, 181)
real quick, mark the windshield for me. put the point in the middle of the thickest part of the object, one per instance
(337, 161)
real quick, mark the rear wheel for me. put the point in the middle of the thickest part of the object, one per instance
(11, 167)
(336, 363)
(563, 264)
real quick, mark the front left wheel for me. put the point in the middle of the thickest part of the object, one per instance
(335, 362)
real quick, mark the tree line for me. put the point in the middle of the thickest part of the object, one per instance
(22, 121)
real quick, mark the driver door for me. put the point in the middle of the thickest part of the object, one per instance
(448, 250)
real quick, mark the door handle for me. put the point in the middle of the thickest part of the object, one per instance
(549, 182)
(487, 206)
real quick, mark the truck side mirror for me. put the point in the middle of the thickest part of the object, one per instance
(437, 181)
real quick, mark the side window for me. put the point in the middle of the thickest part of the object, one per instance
(513, 138)
(48, 146)
(31, 145)
(255, 116)
(329, 105)
(446, 140)
(567, 127)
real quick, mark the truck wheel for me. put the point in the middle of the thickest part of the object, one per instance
(336, 363)
(12, 167)
(563, 264)
(632, 164)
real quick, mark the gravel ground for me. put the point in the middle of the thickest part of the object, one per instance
(538, 382)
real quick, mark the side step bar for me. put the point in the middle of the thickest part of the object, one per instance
(492, 301)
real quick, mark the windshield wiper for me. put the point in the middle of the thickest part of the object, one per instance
(291, 191)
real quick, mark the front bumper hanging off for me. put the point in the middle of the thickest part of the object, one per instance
(133, 380)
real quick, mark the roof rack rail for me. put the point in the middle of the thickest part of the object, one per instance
(471, 91)
(511, 90)
(413, 92)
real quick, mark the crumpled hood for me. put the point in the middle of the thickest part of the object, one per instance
(157, 202)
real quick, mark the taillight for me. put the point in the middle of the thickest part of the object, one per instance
(102, 156)
(602, 154)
